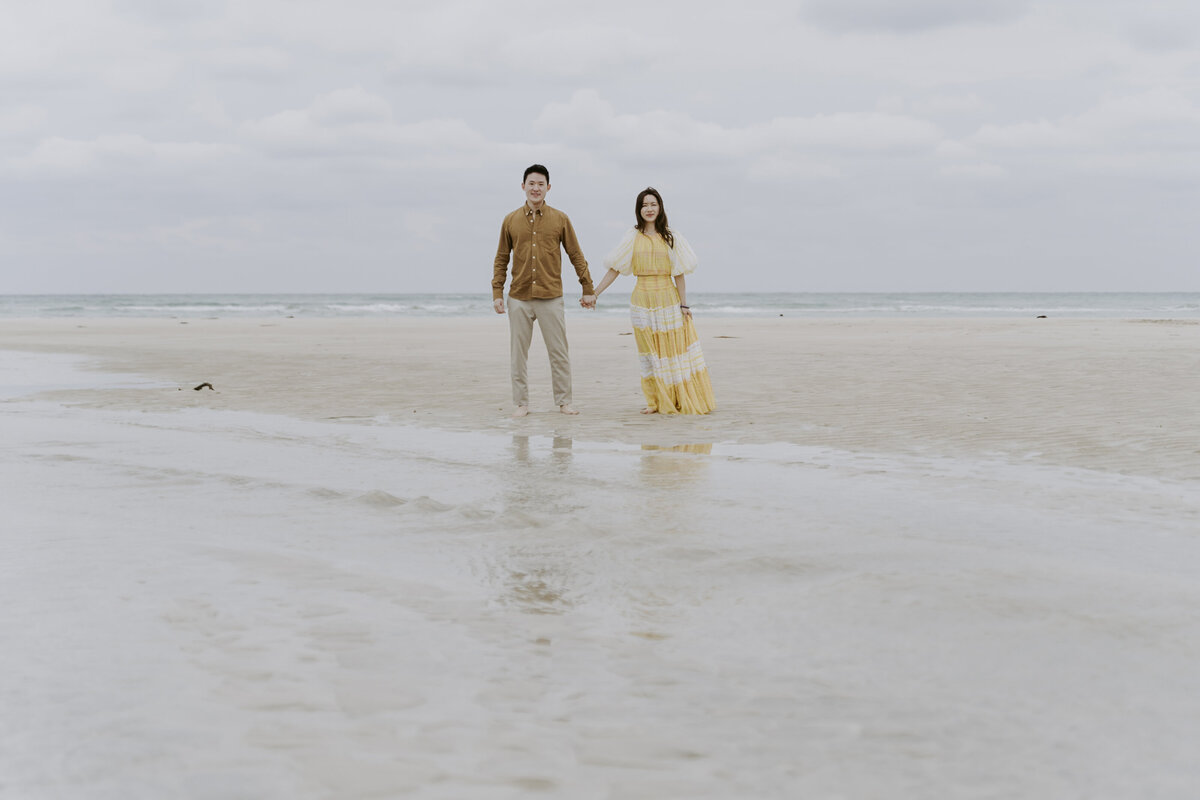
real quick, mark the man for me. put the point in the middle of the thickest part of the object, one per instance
(534, 235)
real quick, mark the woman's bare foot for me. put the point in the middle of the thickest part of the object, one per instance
(649, 410)
(522, 411)
(567, 409)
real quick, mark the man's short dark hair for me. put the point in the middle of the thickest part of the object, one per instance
(538, 168)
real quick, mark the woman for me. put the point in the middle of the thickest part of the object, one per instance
(674, 376)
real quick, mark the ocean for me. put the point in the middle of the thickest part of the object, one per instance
(1123, 305)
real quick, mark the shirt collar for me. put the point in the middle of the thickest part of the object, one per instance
(530, 211)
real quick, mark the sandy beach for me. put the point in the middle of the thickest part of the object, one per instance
(904, 558)
(1113, 395)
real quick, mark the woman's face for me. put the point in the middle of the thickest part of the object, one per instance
(649, 208)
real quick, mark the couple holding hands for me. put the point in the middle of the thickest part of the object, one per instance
(674, 376)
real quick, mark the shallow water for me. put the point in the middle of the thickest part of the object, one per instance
(220, 605)
(23, 374)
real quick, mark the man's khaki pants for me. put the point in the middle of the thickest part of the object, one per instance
(549, 315)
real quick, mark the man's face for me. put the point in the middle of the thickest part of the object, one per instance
(535, 187)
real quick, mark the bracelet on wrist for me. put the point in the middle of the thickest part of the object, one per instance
(681, 305)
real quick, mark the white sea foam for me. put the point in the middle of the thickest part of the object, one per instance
(223, 604)
(729, 304)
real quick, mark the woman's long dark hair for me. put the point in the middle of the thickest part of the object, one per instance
(660, 222)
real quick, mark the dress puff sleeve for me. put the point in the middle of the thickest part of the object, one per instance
(621, 257)
(683, 257)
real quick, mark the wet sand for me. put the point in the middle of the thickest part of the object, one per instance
(917, 558)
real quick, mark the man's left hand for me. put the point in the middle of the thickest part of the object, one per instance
(588, 301)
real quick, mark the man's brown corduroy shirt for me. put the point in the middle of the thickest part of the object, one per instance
(536, 240)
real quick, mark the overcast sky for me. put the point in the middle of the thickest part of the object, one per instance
(823, 145)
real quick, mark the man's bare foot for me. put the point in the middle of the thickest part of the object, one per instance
(649, 410)
(522, 411)
(568, 409)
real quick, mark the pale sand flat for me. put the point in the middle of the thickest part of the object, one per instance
(1115, 395)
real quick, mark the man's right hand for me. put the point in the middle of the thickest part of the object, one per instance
(498, 304)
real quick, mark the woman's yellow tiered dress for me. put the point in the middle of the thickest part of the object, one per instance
(674, 376)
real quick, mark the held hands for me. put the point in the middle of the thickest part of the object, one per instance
(587, 301)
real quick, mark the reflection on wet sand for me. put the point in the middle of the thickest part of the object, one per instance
(542, 560)
(538, 591)
(560, 449)
(560, 452)
(672, 466)
(703, 449)
(520, 448)
(532, 572)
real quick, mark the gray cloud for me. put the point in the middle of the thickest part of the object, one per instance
(1161, 26)
(911, 15)
(284, 146)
